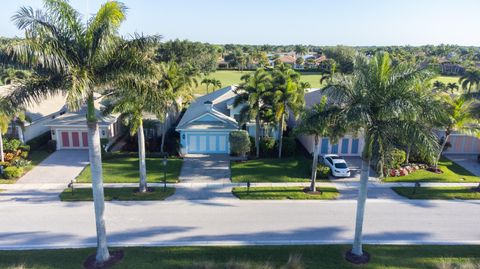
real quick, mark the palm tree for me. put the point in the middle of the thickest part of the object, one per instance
(470, 79)
(452, 86)
(136, 96)
(207, 82)
(10, 75)
(77, 59)
(177, 85)
(459, 119)
(288, 95)
(439, 86)
(251, 94)
(321, 120)
(379, 99)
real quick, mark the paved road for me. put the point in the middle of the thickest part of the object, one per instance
(60, 167)
(52, 224)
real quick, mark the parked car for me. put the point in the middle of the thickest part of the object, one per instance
(337, 165)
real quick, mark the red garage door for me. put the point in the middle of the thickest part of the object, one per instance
(65, 140)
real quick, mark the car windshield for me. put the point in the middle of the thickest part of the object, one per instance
(337, 158)
(340, 165)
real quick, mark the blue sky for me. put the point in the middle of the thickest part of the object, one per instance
(316, 22)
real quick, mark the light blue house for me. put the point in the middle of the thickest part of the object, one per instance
(207, 123)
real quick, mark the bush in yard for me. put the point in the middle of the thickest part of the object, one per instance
(51, 146)
(12, 172)
(11, 145)
(24, 154)
(103, 144)
(5, 164)
(289, 146)
(323, 171)
(20, 162)
(239, 143)
(395, 158)
(252, 145)
(267, 146)
(39, 141)
(24, 148)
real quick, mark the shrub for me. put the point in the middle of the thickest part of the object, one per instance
(289, 146)
(267, 146)
(24, 154)
(24, 148)
(239, 143)
(9, 157)
(103, 144)
(12, 172)
(323, 171)
(51, 146)
(252, 145)
(39, 141)
(20, 162)
(395, 158)
(11, 144)
(5, 164)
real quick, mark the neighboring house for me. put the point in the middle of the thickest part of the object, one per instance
(349, 145)
(39, 114)
(463, 144)
(70, 129)
(208, 121)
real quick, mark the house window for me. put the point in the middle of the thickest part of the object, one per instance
(354, 146)
(324, 148)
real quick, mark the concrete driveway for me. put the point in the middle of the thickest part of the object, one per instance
(355, 165)
(205, 169)
(60, 167)
(467, 161)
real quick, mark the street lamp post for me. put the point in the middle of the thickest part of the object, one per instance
(164, 172)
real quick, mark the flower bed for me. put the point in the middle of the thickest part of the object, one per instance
(15, 156)
(405, 170)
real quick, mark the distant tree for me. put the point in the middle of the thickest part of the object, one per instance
(439, 86)
(211, 81)
(452, 86)
(470, 79)
(299, 61)
(343, 56)
(301, 50)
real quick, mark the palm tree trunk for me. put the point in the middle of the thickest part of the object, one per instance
(95, 157)
(447, 135)
(361, 201)
(20, 134)
(141, 159)
(2, 157)
(257, 136)
(407, 157)
(280, 136)
(164, 132)
(314, 165)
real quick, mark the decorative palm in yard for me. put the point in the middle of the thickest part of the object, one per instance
(459, 118)
(380, 99)
(470, 79)
(211, 81)
(177, 84)
(321, 120)
(452, 86)
(251, 94)
(288, 96)
(76, 59)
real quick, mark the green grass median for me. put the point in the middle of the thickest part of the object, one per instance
(120, 194)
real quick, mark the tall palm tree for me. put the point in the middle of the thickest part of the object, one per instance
(177, 85)
(452, 86)
(379, 99)
(251, 94)
(439, 86)
(288, 95)
(77, 59)
(321, 120)
(211, 81)
(207, 82)
(459, 119)
(470, 79)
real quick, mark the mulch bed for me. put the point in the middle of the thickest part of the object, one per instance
(355, 259)
(307, 191)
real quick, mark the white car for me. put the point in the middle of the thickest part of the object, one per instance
(337, 165)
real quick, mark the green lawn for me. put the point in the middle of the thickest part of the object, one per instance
(229, 77)
(120, 194)
(447, 79)
(251, 257)
(295, 169)
(35, 157)
(281, 193)
(125, 170)
(452, 172)
(438, 193)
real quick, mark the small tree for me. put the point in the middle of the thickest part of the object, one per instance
(239, 143)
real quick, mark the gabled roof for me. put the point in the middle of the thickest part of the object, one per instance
(218, 109)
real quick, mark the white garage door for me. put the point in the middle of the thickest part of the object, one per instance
(207, 143)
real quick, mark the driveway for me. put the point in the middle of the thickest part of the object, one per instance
(355, 166)
(467, 161)
(205, 169)
(58, 168)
